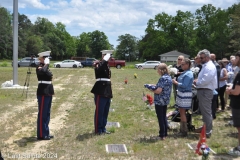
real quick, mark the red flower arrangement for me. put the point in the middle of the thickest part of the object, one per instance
(148, 99)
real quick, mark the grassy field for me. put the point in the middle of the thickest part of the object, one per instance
(72, 119)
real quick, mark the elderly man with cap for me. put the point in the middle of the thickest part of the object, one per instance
(102, 91)
(44, 95)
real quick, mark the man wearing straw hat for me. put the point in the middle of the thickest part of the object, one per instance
(44, 95)
(102, 91)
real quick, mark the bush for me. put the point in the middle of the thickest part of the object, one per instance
(3, 64)
(130, 66)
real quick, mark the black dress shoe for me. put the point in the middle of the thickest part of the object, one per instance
(51, 136)
(99, 133)
(208, 135)
(107, 132)
(44, 138)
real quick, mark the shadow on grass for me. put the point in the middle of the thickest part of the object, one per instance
(222, 156)
(82, 137)
(23, 142)
(152, 139)
(233, 134)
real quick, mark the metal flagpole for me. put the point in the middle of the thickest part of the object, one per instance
(15, 42)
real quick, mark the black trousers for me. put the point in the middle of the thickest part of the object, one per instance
(214, 106)
(161, 112)
(221, 96)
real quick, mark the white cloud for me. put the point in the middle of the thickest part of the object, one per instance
(113, 17)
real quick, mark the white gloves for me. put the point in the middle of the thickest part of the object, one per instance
(106, 57)
(46, 60)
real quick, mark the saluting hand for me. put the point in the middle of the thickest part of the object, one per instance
(46, 60)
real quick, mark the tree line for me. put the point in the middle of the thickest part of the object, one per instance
(209, 27)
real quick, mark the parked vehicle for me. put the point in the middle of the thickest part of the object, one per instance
(68, 64)
(28, 62)
(148, 64)
(114, 63)
(88, 62)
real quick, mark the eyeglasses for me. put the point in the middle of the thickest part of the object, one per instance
(179, 59)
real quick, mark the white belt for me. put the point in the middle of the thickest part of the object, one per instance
(103, 79)
(45, 82)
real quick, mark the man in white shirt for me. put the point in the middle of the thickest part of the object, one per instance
(205, 84)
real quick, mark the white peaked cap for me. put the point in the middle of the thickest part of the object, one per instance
(107, 51)
(44, 54)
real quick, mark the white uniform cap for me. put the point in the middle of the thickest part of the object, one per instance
(107, 51)
(44, 54)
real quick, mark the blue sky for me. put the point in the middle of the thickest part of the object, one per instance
(113, 17)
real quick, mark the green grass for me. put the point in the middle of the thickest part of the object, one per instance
(73, 111)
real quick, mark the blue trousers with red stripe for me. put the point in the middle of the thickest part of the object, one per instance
(44, 107)
(101, 113)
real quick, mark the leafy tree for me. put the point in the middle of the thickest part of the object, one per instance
(5, 34)
(235, 29)
(212, 29)
(99, 42)
(34, 45)
(24, 31)
(128, 47)
(83, 44)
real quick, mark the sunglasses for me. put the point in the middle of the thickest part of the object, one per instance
(179, 59)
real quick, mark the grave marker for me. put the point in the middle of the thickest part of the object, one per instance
(113, 124)
(116, 148)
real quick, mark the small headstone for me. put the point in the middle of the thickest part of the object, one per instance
(113, 124)
(111, 110)
(116, 148)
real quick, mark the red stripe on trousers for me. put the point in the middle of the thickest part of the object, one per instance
(96, 114)
(41, 110)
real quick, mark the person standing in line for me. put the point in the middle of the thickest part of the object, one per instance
(222, 84)
(197, 62)
(205, 84)
(162, 95)
(180, 70)
(102, 91)
(231, 67)
(184, 94)
(213, 58)
(45, 92)
(234, 93)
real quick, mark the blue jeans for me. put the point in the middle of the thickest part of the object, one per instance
(161, 112)
(101, 113)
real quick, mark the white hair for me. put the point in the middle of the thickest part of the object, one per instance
(205, 52)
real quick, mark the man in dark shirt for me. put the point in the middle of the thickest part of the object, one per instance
(102, 91)
(44, 95)
(234, 93)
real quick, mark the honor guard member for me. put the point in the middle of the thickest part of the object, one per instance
(102, 91)
(44, 95)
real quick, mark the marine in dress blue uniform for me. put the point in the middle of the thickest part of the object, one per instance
(102, 91)
(45, 91)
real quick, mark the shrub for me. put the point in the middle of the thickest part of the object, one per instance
(3, 64)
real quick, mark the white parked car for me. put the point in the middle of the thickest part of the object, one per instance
(68, 64)
(148, 64)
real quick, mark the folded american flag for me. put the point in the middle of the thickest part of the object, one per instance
(150, 87)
